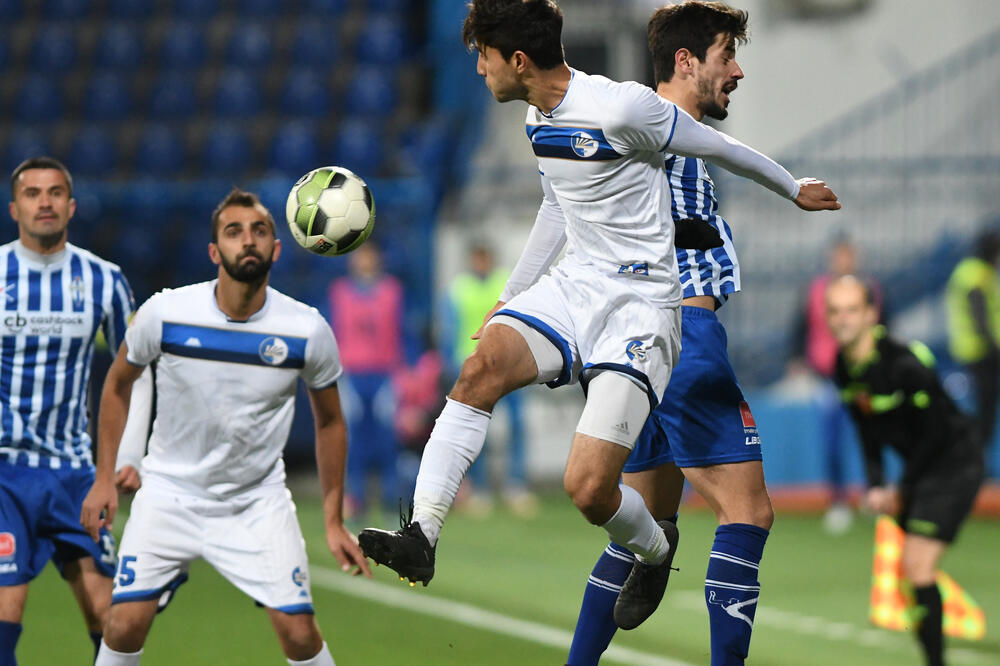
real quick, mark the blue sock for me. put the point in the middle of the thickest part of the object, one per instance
(596, 624)
(732, 590)
(9, 633)
(95, 638)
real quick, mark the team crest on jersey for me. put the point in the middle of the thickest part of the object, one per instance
(76, 289)
(8, 546)
(298, 576)
(583, 144)
(273, 350)
(635, 351)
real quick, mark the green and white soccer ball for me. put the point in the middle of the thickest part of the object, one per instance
(330, 211)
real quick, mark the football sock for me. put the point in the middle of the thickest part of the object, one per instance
(456, 440)
(732, 590)
(323, 658)
(9, 633)
(634, 527)
(596, 625)
(95, 638)
(109, 657)
(929, 632)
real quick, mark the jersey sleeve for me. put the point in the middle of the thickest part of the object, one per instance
(638, 119)
(691, 138)
(913, 371)
(120, 311)
(546, 240)
(145, 333)
(322, 365)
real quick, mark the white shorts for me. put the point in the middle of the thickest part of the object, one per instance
(599, 322)
(254, 542)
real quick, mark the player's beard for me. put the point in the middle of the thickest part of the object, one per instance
(249, 273)
(709, 105)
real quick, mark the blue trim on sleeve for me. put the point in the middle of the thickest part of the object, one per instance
(625, 370)
(553, 337)
(672, 128)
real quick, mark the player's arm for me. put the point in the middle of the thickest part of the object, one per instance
(331, 456)
(915, 374)
(101, 503)
(136, 434)
(545, 242)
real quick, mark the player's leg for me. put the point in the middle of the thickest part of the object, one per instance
(12, 599)
(300, 638)
(125, 632)
(661, 488)
(92, 589)
(920, 558)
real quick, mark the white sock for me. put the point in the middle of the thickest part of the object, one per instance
(323, 658)
(458, 437)
(634, 527)
(108, 657)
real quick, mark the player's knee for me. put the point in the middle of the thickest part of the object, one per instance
(589, 496)
(301, 639)
(763, 514)
(917, 569)
(481, 381)
(125, 632)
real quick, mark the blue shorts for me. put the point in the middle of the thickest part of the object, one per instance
(703, 418)
(40, 521)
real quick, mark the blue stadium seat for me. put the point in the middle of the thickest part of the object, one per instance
(306, 93)
(195, 8)
(184, 45)
(108, 97)
(358, 145)
(54, 49)
(386, 5)
(66, 9)
(39, 100)
(315, 44)
(372, 91)
(382, 41)
(424, 147)
(294, 149)
(119, 47)
(11, 9)
(325, 8)
(237, 94)
(160, 151)
(93, 153)
(131, 8)
(249, 46)
(227, 151)
(173, 96)
(21, 145)
(259, 8)
(4, 54)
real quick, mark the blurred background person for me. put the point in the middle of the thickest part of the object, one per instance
(973, 303)
(473, 293)
(366, 312)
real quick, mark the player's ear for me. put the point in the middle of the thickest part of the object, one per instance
(684, 62)
(72, 207)
(213, 254)
(276, 252)
(10, 207)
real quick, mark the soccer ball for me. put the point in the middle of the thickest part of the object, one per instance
(330, 211)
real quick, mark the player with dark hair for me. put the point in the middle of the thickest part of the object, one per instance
(703, 424)
(56, 297)
(607, 314)
(896, 399)
(229, 354)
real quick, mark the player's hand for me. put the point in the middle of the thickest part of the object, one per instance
(99, 508)
(815, 195)
(882, 500)
(479, 333)
(127, 479)
(345, 548)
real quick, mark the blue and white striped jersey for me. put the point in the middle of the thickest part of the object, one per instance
(53, 306)
(714, 272)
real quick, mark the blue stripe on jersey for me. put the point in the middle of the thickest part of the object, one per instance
(573, 143)
(8, 346)
(55, 291)
(217, 344)
(34, 291)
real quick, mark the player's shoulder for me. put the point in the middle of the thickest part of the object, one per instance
(281, 305)
(91, 258)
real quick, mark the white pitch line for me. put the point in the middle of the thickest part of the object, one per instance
(419, 601)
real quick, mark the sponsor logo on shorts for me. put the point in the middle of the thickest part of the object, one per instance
(8, 567)
(298, 576)
(749, 425)
(273, 350)
(583, 144)
(8, 546)
(635, 351)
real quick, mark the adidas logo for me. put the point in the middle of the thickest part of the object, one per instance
(622, 427)
(192, 342)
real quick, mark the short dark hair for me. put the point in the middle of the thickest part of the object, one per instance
(41, 162)
(692, 25)
(238, 197)
(531, 26)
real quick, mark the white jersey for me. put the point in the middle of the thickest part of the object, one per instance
(601, 152)
(226, 389)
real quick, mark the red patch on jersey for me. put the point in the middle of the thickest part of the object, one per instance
(747, 415)
(864, 403)
(8, 546)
